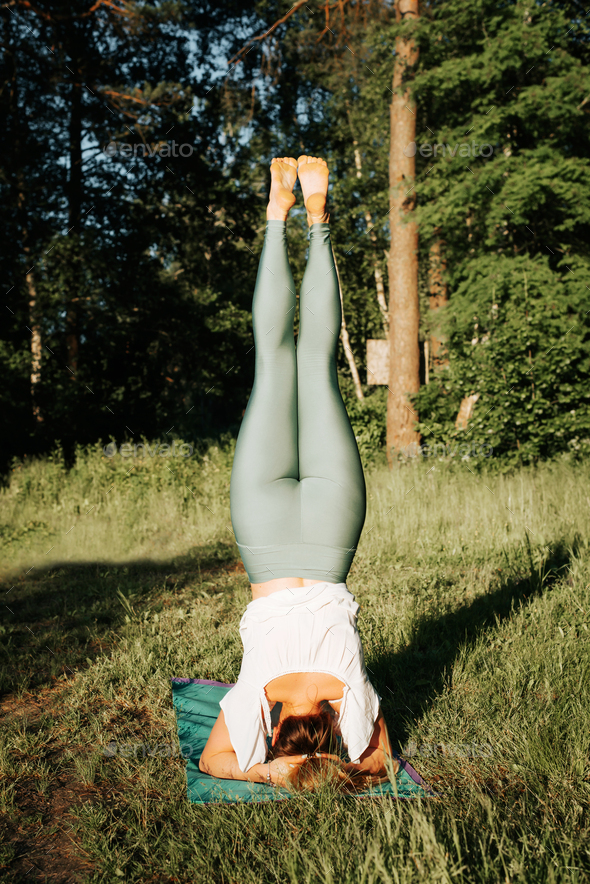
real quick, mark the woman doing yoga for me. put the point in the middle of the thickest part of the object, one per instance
(298, 508)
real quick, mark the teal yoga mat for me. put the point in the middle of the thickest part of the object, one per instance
(196, 704)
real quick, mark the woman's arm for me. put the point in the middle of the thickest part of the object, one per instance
(220, 760)
(373, 758)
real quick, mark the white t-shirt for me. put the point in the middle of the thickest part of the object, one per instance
(307, 629)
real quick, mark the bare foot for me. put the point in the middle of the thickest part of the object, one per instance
(313, 175)
(283, 172)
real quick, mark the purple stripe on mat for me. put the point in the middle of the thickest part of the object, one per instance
(405, 765)
(177, 679)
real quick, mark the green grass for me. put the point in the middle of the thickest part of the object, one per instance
(475, 603)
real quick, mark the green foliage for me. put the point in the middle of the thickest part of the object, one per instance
(528, 359)
(153, 259)
(514, 224)
(148, 269)
(367, 420)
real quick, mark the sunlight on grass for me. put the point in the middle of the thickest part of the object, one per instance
(475, 600)
(113, 508)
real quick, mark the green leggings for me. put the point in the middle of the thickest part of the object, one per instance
(297, 486)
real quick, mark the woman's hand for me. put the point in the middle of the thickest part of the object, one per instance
(374, 764)
(281, 767)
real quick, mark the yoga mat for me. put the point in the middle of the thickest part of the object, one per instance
(196, 704)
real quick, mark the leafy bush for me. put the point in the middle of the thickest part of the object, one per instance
(518, 336)
(368, 419)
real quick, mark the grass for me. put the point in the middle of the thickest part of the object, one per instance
(475, 600)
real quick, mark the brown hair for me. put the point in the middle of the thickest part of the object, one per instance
(312, 734)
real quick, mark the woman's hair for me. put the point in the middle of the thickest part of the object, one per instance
(313, 734)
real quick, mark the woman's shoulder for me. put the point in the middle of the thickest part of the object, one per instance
(243, 693)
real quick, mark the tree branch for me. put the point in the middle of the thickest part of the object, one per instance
(239, 56)
(48, 16)
(242, 53)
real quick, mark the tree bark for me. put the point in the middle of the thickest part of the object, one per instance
(379, 286)
(36, 346)
(18, 143)
(468, 402)
(74, 217)
(438, 300)
(404, 313)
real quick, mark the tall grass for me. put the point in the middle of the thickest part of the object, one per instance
(117, 508)
(113, 508)
(475, 600)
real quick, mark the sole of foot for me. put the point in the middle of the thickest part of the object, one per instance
(283, 175)
(313, 176)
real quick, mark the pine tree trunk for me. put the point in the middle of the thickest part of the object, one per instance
(438, 300)
(36, 346)
(467, 403)
(74, 217)
(18, 146)
(34, 324)
(404, 315)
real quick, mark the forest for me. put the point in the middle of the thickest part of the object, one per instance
(136, 142)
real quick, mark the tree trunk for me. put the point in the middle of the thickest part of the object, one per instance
(346, 344)
(34, 325)
(404, 314)
(468, 402)
(36, 346)
(74, 217)
(18, 145)
(438, 300)
(379, 286)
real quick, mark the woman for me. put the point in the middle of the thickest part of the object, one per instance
(298, 508)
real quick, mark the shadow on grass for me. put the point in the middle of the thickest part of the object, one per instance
(59, 617)
(412, 677)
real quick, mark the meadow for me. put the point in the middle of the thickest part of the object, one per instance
(474, 587)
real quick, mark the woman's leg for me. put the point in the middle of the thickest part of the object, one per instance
(265, 474)
(333, 497)
(297, 488)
